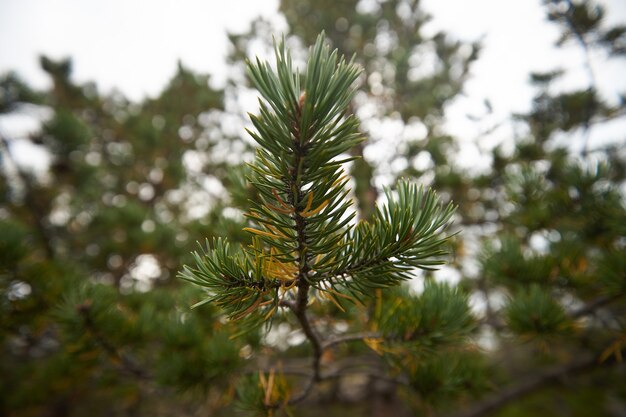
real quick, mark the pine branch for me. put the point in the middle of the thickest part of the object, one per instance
(350, 338)
(345, 368)
(127, 364)
(534, 383)
(40, 215)
(590, 105)
(590, 308)
(303, 238)
(406, 234)
(300, 312)
(599, 302)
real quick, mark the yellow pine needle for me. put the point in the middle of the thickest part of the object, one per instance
(315, 211)
(339, 180)
(262, 380)
(290, 286)
(278, 270)
(330, 297)
(261, 232)
(270, 313)
(273, 273)
(269, 388)
(280, 210)
(288, 269)
(331, 290)
(347, 297)
(249, 309)
(374, 344)
(276, 231)
(266, 303)
(309, 201)
(252, 215)
(281, 275)
(281, 201)
(614, 348)
(267, 265)
(282, 383)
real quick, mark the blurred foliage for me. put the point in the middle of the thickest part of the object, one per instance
(91, 318)
(93, 323)
(547, 317)
(439, 316)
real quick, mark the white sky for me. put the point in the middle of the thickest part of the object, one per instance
(126, 44)
(518, 40)
(122, 43)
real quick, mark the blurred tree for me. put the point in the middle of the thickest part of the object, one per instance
(91, 319)
(553, 273)
(93, 323)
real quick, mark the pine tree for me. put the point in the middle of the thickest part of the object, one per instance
(321, 317)
(555, 254)
(82, 330)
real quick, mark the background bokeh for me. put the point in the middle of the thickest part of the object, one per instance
(123, 143)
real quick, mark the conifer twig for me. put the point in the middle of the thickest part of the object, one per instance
(127, 364)
(42, 229)
(595, 304)
(534, 383)
(303, 238)
(350, 338)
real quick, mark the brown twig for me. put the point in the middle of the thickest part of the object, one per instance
(590, 105)
(127, 365)
(349, 338)
(39, 213)
(533, 383)
(589, 308)
(595, 304)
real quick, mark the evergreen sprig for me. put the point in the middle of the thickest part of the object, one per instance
(235, 282)
(406, 234)
(533, 312)
(439, 317)
(303, 236)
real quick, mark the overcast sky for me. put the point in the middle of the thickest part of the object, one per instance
(126, 44)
